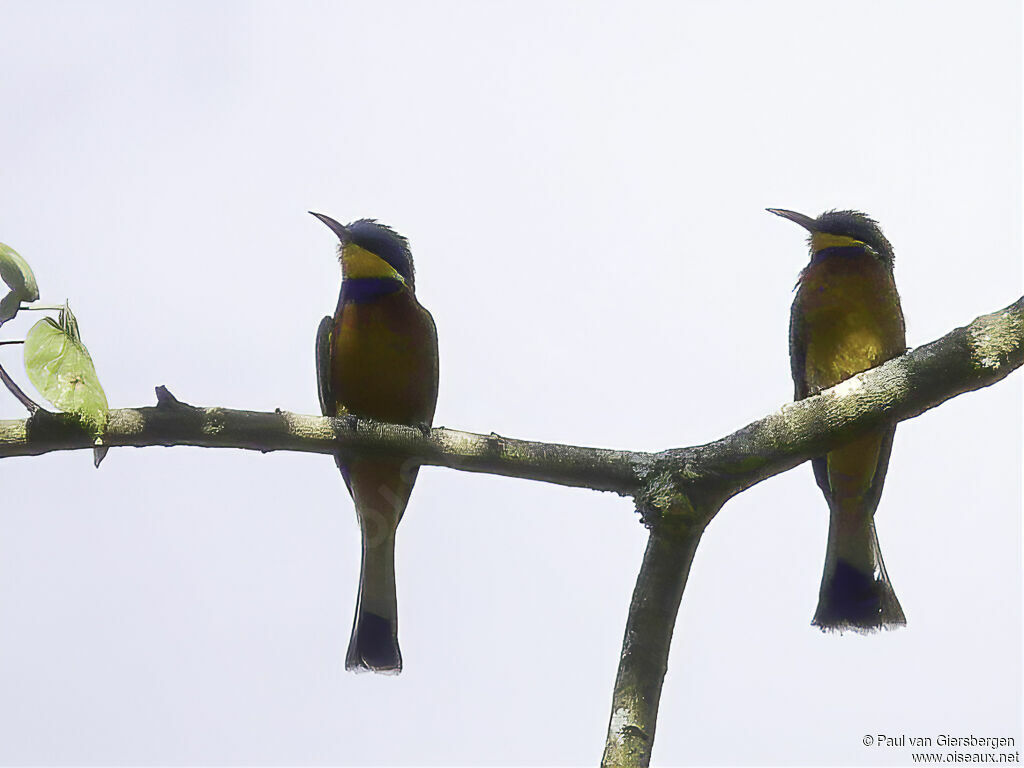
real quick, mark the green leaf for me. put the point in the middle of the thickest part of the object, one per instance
(59, 366)
(16, 272)
(9, 306)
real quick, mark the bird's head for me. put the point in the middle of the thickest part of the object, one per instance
(371, 249)
(842, 229)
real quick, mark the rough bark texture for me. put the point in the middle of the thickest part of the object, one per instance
(645, 646)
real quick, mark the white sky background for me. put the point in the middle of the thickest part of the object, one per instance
(583, 186)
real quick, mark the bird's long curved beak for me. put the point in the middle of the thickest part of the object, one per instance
(336, 228)
(798, 218)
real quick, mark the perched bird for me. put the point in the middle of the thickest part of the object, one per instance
(846, 318)
(377, 358)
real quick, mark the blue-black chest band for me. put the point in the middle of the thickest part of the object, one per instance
(840, 251)
(363, 289)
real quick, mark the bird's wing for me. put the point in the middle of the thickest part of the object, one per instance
(328, 404)
(798, 352)
(797, 365)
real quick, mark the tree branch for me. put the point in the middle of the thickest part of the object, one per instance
(172, 422)
(677, 491)
(968, 358)
(645, 647)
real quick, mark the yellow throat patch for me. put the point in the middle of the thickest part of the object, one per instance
(358, 262)
(822, 240)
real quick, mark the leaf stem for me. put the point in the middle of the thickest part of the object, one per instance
(24, 399)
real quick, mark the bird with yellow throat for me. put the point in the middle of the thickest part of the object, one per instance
(846, 318)
(377, 358)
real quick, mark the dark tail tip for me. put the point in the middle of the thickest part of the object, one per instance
(853, 599)
(374, 646)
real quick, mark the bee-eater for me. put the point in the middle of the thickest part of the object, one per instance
(846, 318)
(377, 358)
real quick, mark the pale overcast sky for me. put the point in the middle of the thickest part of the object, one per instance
(583, 186)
